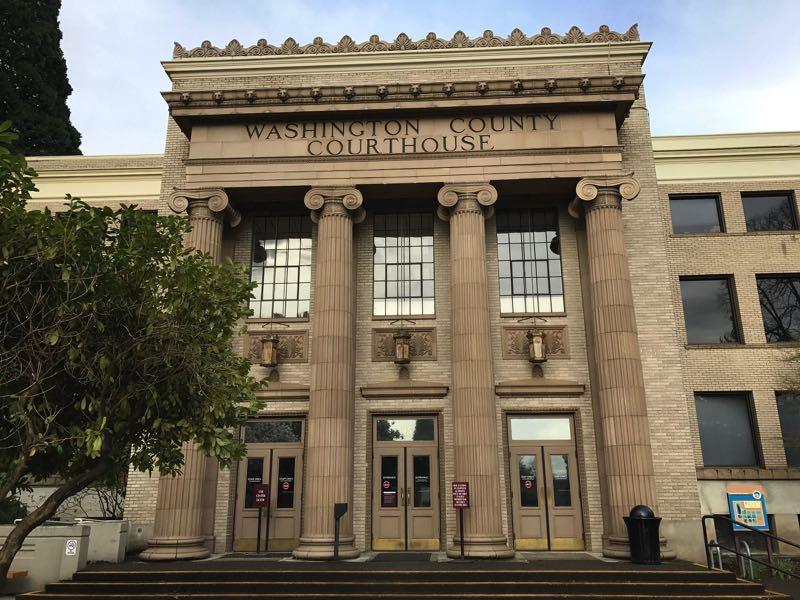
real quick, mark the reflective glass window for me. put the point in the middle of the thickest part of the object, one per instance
(281, 267)
(726, 429)
(695, 214)
(528, 493)
(708, 311)
(391, 430)
(769, 212)
(389, 484)
(403, 269)
(255, 475)
(780, 307)
(540, 428)
(285, 490)
(273, 431)
(559, 471)
(789, 413)
(422, 481)
(529, 261)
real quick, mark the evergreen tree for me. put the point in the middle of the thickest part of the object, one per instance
(33, 78)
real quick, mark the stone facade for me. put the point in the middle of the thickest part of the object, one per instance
(619, 365)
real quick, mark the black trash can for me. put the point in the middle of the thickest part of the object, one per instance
(643, 535)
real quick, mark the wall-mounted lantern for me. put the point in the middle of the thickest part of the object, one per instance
(402, 346)
(537, 351)
(269, 350)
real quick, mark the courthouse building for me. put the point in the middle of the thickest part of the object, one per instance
(473, 263)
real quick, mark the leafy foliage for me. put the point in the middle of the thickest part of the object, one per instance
(115, 343)
(33, 78)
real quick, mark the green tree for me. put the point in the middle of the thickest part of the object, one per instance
(33, 78)
(115, 347)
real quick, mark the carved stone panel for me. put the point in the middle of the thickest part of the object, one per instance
(292, 346)
(423, 344)
(515, 342)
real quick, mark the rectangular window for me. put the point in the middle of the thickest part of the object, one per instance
(529, 261)
(422, 481)
(262, 432)
(726, 429)
(559, 469)
(389, 482)
(285, 491)
(789, 413)
(695, 214)
(399, 430)
(402, 259)
(281, 267)
(529, 495)
(708, 311)
(769, 212)
(780, 307)
(255, 473)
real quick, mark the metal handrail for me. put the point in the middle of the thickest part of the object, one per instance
(715, 544)
(749, 559)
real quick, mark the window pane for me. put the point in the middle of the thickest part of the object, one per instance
(285, 482)
(390, 430)
(273, 431)
(528, 494)
(708, 312)
(255, 473)
(559, 470)
(726, 431)
(546, 428)
(403, 258)
(422, 481)
(281, 254)
(695, 215)
(780, 307)
(526, 240)
(388, 481)
(769, 212)
(789, 413)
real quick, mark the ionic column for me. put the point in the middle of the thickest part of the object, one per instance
(184, 509)
(329, 434)
(474, 409)
(620, 398)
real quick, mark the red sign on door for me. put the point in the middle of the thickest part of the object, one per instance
(528, 484)
(460, 494)
(260, 495)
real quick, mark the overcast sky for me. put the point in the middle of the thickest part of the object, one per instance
(716, 66)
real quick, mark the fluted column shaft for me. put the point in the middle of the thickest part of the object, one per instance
(620, 394)
(474, 408)
(184, 507)
(329, 433)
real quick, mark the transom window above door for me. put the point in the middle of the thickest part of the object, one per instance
(281, 267)
(403, 273)
(529, 261)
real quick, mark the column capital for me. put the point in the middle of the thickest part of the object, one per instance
(214, 200)
(467, 197)
(596, 191)
(342, 201)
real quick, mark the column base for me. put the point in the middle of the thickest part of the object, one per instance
(618, 547)
(177, 548)
(321, 548)
(481, 547)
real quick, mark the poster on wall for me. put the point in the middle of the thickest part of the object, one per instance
(747, 505)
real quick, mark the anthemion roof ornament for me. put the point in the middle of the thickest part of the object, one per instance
(403, 42)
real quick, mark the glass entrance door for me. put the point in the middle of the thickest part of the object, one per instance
(544, 476)
(274, 456)
(405, 485)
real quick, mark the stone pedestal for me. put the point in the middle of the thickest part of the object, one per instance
(619, 394)
(329, 434)
(474, 410)
(184, 505)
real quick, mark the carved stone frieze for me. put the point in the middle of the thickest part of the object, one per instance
(515, 343)
(423, 344)
(403, 42)
(292, 346)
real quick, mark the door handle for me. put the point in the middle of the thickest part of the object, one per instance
(402, 496)
(408, 496)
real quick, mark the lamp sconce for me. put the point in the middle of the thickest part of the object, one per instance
(402, 347)
(537, 351)
(269, 350)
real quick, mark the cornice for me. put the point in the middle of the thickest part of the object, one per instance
(406, 60)
(402, 42)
